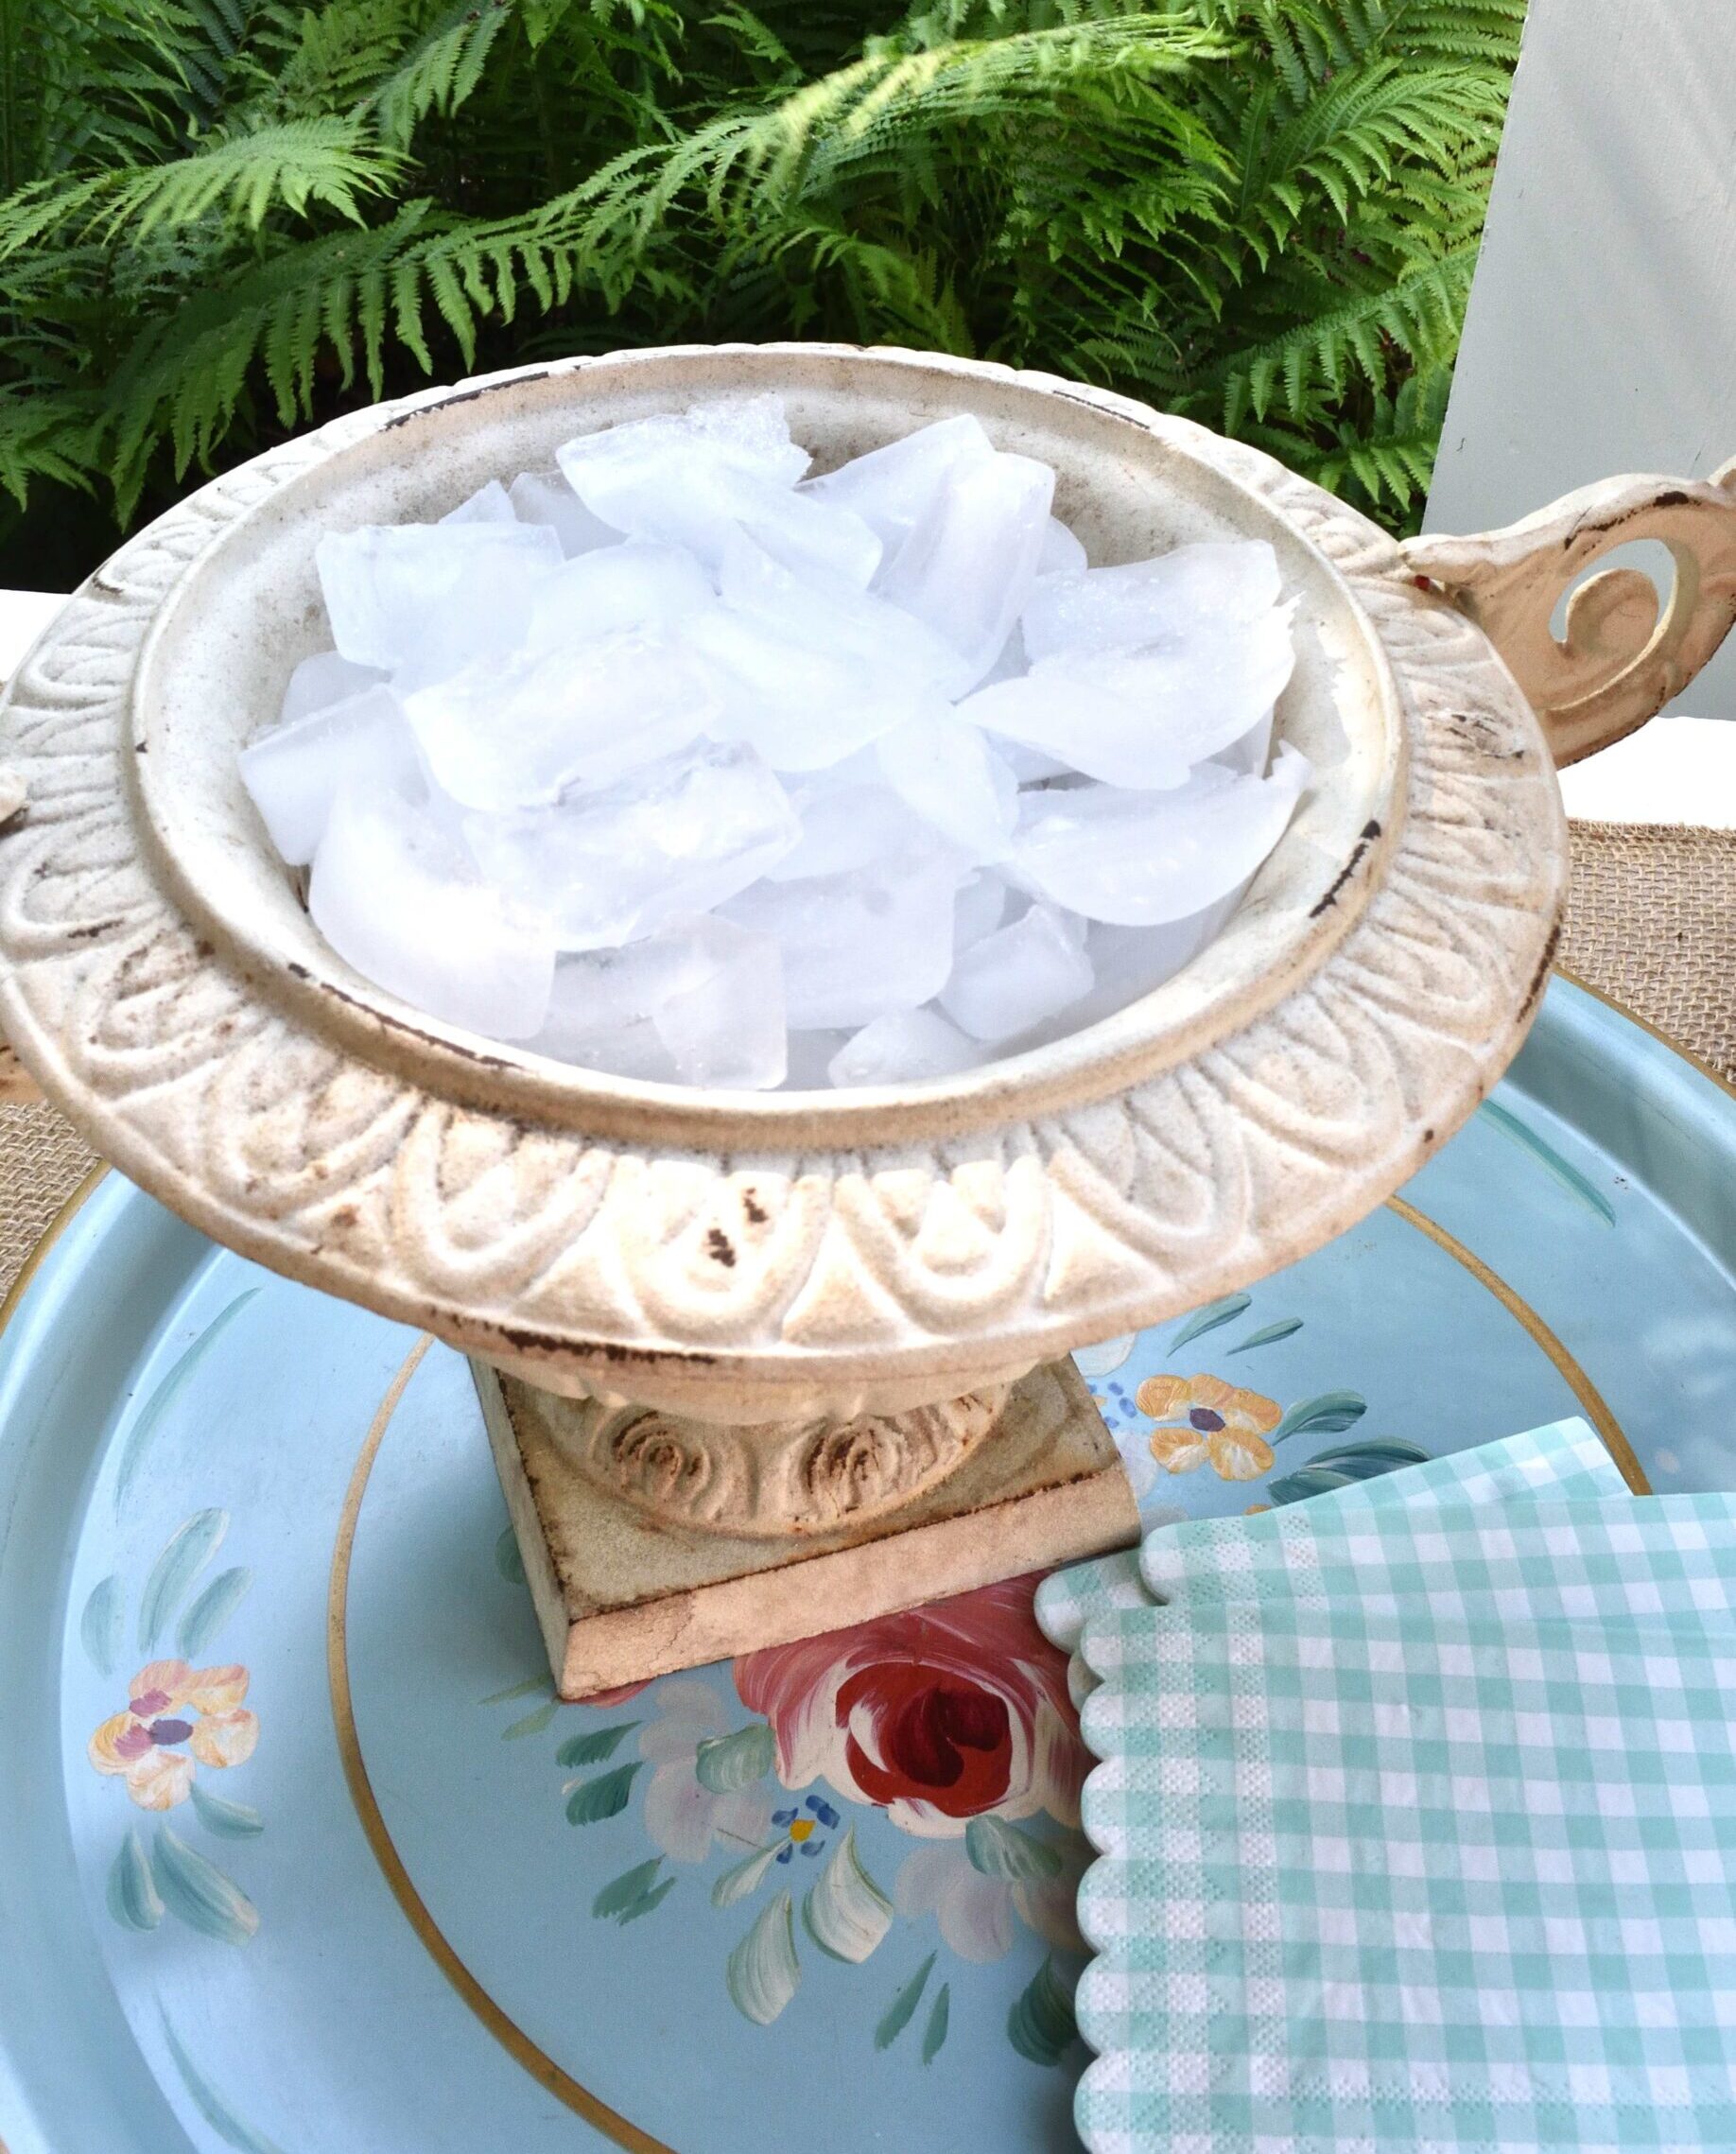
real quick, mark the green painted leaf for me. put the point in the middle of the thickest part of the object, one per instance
(189, 1547)
(1041, 2025)
(939, 2015)
(211, 1611)
(1345, 1462)
(508, 1561)
(530, 1685)
(742, 1878)
(230, 1820)
(646, 1902)
(198, 1893)
(592, 1748)
(1000, 1850)
(532, 1724)
(164, 1397)
(215, 2108)
(1269, 1334)
(1549, 1160)
(100, 1625)
(605, 1797)
(897, 2016)
(762, 1972)
(844, 1911)
(1328, 1415)
(1209, 1318)
(132, 1896)
(620, 1892)
(726, 1762)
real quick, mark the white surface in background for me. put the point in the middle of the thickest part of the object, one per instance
(1600, 336)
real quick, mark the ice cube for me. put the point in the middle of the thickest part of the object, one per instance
(857, 945)
(488, 505)
(1141, 859)
(1011, 979)
(633, 585)
(545, 498)
(1141, 718)
(1151, 602)
(832, 616)
(968, 566)
(1132, 962)
(905, 1047)
(810, 1058)
(977, 909)
(803, 709)
(1061, 555)
(612, 862)
(694, 479)
(948, 773)
(845, 825)
(1049, 723)
(516, 732)
(322, 680)
(724, 1025)
(699, 1001)
(890, 488)
(400, 902)
(429, 597)
(295, 772)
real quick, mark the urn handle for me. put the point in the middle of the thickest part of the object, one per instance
(1622, 657)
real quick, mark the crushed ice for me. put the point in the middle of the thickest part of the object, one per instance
(675, 764)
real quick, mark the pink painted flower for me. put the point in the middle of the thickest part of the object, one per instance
(938, 1714)
(170, 1704)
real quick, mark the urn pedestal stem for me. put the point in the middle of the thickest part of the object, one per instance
(653, 1541)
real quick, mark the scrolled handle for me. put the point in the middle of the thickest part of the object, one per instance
(1621, 657)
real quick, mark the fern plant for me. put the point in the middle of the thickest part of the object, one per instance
(221, 219)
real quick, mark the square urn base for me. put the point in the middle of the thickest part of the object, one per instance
(625, 1590)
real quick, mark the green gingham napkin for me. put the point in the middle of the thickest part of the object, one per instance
(1566, 1457)
(1382, 1882)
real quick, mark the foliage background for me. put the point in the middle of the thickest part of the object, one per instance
(223, 219)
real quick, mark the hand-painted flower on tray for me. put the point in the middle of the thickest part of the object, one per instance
(1202, 1420)
(806, 1828)
(170, 1705)
(940, 1714)
(976, 1898)
(686, 1809)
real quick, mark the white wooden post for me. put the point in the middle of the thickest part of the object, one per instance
(1602, 331)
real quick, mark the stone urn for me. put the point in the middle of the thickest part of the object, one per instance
(756, 1366)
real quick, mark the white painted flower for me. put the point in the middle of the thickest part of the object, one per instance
(682, 1816)
(1106, 1355)
(978, 1914)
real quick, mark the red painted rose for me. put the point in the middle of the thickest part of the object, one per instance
(938, 1714)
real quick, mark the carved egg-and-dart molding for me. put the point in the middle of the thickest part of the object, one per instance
(778, 1255)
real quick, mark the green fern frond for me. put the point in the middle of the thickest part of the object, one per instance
(221, 219)
(294, 164)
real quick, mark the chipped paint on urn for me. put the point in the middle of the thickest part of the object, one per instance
(771, 1257)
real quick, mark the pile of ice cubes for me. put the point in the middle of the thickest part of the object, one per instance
(677, 764)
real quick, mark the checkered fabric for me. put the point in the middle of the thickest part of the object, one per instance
(1378, 1881)
(1537, 1554)
(1565, 1457)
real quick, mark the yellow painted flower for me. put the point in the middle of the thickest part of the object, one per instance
(169, 1704)
(1202, 1419)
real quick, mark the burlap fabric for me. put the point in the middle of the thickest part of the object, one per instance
(1651, 924)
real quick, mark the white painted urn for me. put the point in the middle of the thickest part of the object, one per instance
(751, 1296)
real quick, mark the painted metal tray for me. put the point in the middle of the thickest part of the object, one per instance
(298, 1854)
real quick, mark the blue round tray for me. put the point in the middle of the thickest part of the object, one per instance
(301, 1854)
